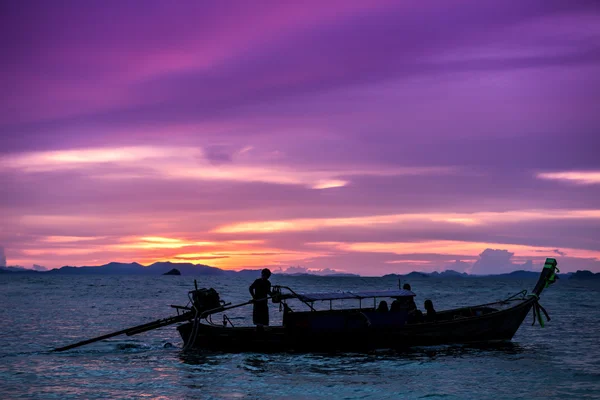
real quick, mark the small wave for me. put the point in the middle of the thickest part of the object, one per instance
(252, 368)
(132, 346)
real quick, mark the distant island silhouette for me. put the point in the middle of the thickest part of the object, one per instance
(585, 275)
(189, 269)
(174, 271)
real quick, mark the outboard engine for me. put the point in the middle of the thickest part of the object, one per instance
(276, 294)
(205, 299)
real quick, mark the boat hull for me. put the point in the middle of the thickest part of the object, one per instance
(492, 327)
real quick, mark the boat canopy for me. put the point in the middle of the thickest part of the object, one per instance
(309, 297)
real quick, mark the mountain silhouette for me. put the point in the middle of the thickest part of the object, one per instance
(189, 269)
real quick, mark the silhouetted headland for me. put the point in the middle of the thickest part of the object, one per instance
(581, 275)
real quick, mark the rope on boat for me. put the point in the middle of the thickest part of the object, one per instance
(523, 293)
(538, 310)
(192, 338)
(193, 334)
(537, 307)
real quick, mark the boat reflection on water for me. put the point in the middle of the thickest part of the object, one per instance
(259, 360)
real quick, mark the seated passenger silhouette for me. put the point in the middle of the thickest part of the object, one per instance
(396, 305)
(403, 303)
(383, 306)
(412, 307)
(430, 317)
(414, 314)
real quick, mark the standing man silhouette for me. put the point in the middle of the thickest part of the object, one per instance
(259, 290)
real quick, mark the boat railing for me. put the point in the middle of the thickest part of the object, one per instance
(310, 298)
(278, 296)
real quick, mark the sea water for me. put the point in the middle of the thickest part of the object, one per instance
(41, 312)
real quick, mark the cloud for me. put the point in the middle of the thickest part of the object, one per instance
(39, 268)
(458, 266)
(493, 261)
(452, 248)
(212, 163)
(576, 177)
(303, 270)
(527, 265)
(218, 155)
(468, 219)
(229, 64)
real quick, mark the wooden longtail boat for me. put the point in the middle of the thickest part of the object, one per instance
(364, 328)
(350, 329)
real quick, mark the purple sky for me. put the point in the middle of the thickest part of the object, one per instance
(368, 137)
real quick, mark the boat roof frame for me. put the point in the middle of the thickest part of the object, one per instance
(349, 295)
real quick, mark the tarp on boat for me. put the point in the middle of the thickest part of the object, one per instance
(308, 297)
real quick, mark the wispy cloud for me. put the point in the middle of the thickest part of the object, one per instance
(477, 218)
(576, 177)
(453, 248)
(70, 239)
(195, 163)
(152, 243)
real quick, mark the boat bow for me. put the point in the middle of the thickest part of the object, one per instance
(547, 278)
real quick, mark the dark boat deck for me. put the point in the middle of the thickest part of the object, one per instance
(361, 333)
